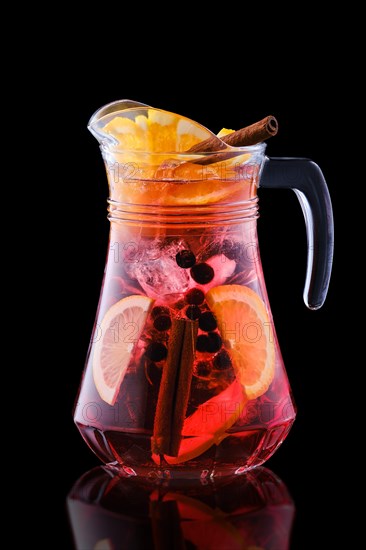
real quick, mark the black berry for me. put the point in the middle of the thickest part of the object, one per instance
(163, 322)
(193, 312)
(201, 344)
(202, 273)
(156, 351)
(195, 296)
(210, 343)
(185, 259)
(207, 322)
(203, 368)
(222, 360)
(231, 249)
(215, 342)
(159, 310)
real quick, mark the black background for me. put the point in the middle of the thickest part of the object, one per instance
(231, 93)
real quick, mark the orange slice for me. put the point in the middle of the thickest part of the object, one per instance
(138, 175)
(164, 193)
(207, 425)
(155, 132)
(189, 448)
(120, 330)
(217, 414)
(224, 132)
(202, 192)
(246, 329)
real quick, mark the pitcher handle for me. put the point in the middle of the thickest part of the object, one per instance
(306, 178)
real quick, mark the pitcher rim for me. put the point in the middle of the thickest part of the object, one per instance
(233, 151)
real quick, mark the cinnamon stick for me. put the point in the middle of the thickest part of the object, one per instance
(174, 388)
(250, 135)
(183, 383)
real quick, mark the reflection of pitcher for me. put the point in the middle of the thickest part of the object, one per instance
(110, 510)
(184, 374)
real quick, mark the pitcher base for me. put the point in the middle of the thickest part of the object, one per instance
(200, 457)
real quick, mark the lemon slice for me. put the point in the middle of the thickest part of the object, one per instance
(120, 331)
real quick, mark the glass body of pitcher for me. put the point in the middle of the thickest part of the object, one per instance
(184, 375)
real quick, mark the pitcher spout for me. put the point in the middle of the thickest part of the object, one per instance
(98, 120)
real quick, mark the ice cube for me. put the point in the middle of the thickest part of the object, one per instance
(223, 268)
(158, 272)
(166, 169)
(211, 245)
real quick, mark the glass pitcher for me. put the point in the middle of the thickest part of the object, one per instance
(184, 375)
